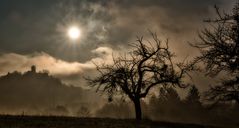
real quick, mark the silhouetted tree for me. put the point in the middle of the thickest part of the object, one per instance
(168, 94)
(83, 112)
(167, 105)
(193, 106)
(193, 96)
(228, 90)
(219, 48)
(135, 74)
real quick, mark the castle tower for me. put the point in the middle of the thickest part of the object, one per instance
(33, 68)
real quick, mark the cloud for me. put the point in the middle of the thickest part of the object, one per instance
(43, 61)
(104, 55)
(112, 23)
(10, 62)
(179, 21)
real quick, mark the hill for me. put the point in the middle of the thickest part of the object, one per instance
(38, 93)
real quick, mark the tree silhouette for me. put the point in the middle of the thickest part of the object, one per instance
(219, 48)
(193, 97)
(168, 94)
(83, 112)
(135, 74)
(167, 105)
(227, 91)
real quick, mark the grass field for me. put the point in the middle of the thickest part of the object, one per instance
(7, 121)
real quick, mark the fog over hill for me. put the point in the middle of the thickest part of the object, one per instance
(39, 93)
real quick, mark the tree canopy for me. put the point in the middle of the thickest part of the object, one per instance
(219, 49)
(149, 64)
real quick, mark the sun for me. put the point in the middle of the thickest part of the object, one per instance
(74, 32)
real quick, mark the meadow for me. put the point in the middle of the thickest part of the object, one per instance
(8, 121)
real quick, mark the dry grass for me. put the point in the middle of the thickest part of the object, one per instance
(7, 121)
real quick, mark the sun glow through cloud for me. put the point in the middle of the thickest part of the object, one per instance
(74, 32)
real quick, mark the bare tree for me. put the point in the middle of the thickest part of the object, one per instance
(135, 74)
(219, 48)
(228, 90)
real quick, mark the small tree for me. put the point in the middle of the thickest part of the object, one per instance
(168, 94)
(135, 74)
(83, 112)
(193, 97)
(166, 105)
(219, 48)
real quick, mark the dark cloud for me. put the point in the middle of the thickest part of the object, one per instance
(173, 19)
(111, 23)
(25, 31)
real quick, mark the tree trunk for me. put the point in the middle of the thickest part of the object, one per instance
(138, 113)
(237, 99)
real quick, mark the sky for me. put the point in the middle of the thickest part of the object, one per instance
(34, 32)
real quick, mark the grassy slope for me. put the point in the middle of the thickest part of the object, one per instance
(72, 122)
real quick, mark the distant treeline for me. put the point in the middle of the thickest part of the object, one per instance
(167, 106)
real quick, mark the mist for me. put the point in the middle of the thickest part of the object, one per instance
(44, 71)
